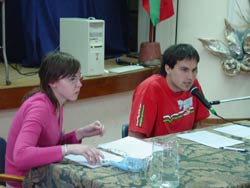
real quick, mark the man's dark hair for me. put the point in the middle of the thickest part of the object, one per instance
(177, 53)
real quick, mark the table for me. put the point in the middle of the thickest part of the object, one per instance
(200, 166)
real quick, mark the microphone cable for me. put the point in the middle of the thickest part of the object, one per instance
(229, 121)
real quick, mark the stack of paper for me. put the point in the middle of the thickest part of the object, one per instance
(235, 130)
(129, 146)
(83, 161)
(209, 139)
(116, 150)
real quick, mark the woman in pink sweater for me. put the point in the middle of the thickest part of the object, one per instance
(35, 136)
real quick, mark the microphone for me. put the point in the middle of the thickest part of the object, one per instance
(195, 92)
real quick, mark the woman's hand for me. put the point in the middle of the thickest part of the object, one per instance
(92, 155)
(93, 129)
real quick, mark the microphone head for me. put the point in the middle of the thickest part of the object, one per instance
(193, 90)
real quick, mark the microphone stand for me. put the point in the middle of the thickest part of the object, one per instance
(229, 100)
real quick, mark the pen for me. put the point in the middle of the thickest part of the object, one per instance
(234, 149)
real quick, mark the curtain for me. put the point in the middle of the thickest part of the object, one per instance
(33, 26)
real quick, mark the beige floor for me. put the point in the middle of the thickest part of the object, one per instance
(26, 77)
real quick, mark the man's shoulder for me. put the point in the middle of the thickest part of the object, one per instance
(152, 84)
(154, 79)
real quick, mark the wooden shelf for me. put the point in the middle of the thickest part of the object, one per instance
(92, 87)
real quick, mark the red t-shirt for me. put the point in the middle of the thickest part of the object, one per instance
(157, 110)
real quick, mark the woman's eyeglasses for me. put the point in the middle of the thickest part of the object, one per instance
(74, 79)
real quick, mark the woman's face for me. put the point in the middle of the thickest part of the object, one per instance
(67, 88)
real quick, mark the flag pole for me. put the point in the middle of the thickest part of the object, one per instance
(176, 22)
(154, 30)
(151, 32)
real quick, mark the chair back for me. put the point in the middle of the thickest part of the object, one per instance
(6, 177)
(125, 130)
(2, 156)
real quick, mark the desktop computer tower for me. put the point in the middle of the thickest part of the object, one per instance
(84, 39)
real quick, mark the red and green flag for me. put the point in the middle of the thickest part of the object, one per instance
(158, 10)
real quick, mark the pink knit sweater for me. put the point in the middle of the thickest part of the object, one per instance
(35, 136)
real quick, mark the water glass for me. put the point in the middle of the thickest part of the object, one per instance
(164, 165)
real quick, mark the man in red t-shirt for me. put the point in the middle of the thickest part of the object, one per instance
(162, 104)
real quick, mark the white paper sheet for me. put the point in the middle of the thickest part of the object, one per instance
(82, 160)
(129, 146)
(209, 139)
(235, 130)
(126, 68)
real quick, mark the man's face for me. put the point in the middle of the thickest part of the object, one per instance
(182, 76)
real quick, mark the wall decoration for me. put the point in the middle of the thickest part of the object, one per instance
(234, 53)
